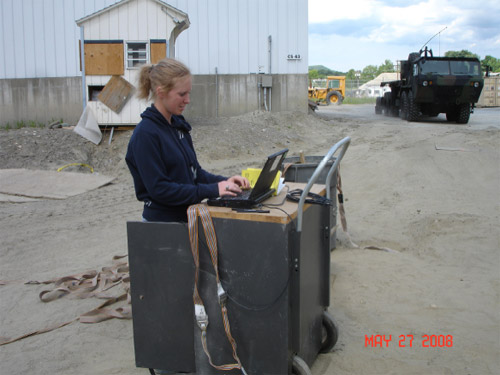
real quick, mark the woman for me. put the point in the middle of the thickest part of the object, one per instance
(160, 155)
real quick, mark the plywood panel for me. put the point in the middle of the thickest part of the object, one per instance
(102, 58)
(158, 51)
(116, 93)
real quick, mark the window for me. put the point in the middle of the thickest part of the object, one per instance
(137, 54)
(94, 92)
(435, 67)
(465, 68)
(334, 84)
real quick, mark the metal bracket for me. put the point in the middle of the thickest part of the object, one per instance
(201, 316)
(344, 143)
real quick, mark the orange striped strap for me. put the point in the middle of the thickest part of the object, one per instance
(200, 313)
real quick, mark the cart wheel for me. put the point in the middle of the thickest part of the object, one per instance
(330, 333)
(300, 367)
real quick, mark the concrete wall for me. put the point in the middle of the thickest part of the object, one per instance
(40, 99)
(231, 95)
(46, 99)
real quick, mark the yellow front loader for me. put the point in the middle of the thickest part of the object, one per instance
(333, 93)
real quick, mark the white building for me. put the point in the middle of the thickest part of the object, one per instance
(234, 48)
(372, 89)
(115, 49)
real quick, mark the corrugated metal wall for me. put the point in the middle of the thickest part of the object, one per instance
(232, 36)
(39, 38)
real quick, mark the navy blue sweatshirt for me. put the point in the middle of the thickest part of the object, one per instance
(167, 175)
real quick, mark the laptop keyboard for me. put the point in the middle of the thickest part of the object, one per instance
(243, 195)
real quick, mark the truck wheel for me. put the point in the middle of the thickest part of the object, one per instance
(334, 97)
(300, 367)
(378, 106)
(463, 113)
(403, 111)
(330, 333)
(387, 104)
(452, 115)
(413, 108)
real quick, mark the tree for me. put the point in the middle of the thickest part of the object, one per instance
(323, 71)
(462, 53)
(372, 71)
(369, 72)
(313, 74)
(386, 67)
(492, 62)
(351, 74)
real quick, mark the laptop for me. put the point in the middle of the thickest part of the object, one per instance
(262, 188)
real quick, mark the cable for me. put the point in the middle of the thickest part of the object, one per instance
(295, 195)
(271, 205)
(259, 307)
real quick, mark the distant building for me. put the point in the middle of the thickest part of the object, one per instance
(244, 55)
(372, 89)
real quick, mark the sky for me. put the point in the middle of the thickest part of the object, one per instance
(352, 34)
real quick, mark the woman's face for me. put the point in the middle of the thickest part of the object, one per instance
(174, 101)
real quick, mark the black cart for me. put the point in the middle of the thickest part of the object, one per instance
(275, 269)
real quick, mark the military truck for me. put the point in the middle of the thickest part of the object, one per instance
(432, 85)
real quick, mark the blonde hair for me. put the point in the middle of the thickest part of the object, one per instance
(164, 75)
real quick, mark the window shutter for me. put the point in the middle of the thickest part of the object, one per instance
(104, 57)
(116, 93)
(158, 50)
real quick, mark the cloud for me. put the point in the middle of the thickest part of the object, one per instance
(321, 11)
(387, 28)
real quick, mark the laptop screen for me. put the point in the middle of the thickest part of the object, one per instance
(268, 173)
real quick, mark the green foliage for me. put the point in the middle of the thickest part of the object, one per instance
(371, 71)
(23, 124)
(492, 62)
(354, 100)
(386, 67)
(462, 53)
(368, 73)
(351, 75)
(313, 74)
(323, 71)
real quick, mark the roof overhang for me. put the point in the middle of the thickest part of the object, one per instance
(177, 15)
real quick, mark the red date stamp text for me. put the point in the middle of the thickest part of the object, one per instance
(409, 341)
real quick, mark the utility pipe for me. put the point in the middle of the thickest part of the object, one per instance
(270, 44)
(82, 59)
(216, 92)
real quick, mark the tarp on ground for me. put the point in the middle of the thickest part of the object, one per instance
(49, 184)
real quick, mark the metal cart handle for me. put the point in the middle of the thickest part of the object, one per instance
(344, 143)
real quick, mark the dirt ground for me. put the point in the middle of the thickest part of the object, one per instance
(429, 192)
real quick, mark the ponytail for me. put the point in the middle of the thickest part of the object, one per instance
(164, 74)
(145, 82)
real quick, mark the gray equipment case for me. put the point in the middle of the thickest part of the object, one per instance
(275, 269)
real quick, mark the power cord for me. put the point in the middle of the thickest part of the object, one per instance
(312, 198)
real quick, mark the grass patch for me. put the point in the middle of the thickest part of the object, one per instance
(26, 124)
(349, 100)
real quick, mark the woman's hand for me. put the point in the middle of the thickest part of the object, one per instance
(232, 186)
(242, 182)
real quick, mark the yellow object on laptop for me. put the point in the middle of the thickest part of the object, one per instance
(252, 175)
